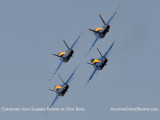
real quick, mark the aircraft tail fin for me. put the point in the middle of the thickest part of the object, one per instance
(65, 43)
(102, 19)
(99, 52)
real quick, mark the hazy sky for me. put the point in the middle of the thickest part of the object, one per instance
(31, 31)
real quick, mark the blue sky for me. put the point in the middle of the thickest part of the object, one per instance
(31, 31)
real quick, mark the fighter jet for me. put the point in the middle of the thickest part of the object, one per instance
(99, 64)
(63, 88)
(101, 31)
(66, 55)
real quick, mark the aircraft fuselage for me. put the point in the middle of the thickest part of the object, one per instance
(63, 90)
(67, 56)
(103, 32)
(101, 64)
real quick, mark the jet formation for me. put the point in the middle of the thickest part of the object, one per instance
(97, 63)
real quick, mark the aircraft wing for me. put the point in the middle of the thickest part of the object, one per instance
(67, 82)
(59, 66)
(95, 41)
(54, 100)
(75, 42)
(108, 50)
(112, 16)
(95, 70)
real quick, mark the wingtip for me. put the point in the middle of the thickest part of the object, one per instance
(116, 38)
(82, 31)
(87, 53)
(118, 8)
(77, 66)
(86, 84)
(51, 78)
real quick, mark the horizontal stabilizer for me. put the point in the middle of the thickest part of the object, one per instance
(51, 90)
(90, 63)
(92, 30)
(56, 55)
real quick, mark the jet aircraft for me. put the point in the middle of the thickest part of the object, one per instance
(101, 31)
(63, 88)
(65, 56)
(99, 64)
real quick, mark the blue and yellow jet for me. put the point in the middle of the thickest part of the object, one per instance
(65, 56)
(98, 64)
(63, 88)
(101, 32)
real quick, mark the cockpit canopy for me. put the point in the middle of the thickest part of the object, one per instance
(62, 53)
(98, 29)
(57, 87)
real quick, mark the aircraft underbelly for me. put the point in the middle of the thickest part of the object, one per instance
(68, 56)
(100, 66)
(64, 90)
(103, 34)
(67, 59)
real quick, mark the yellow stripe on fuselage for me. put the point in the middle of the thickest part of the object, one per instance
(57, 87)
(96, 60)
(98, 29)
(62, 53)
